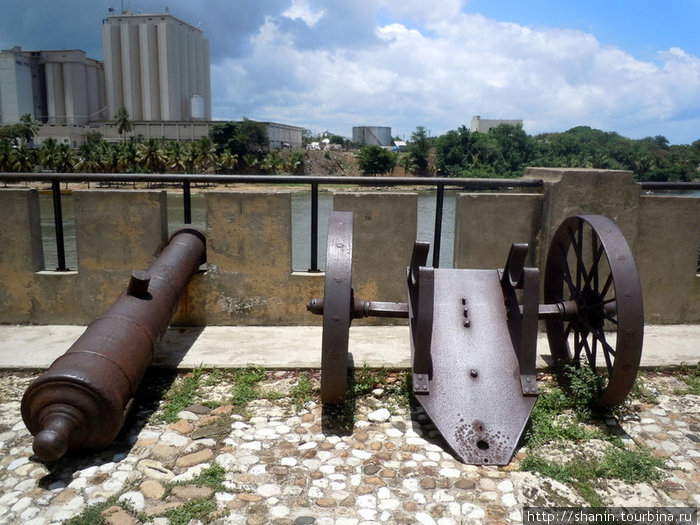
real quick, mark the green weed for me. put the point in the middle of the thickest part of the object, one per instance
(584, 388)
(212, 477)
(196, 509)
(554, 418)
(366, 379)
(180, 396)
(568, 415)
(303, 391)
(92, 515)
(586, 473)
(245, 385)
(691, 377)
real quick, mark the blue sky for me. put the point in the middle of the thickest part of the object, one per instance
(629, 67)
(642, 27)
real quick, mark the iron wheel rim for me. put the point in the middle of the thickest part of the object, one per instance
(337, 309)
(605, 286)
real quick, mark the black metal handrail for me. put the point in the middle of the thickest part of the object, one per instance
(186, 180)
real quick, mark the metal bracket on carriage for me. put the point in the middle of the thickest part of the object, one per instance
(420, 314)
(522, 320)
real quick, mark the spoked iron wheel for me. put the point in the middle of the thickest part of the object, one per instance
(337, 309)
(590, 271)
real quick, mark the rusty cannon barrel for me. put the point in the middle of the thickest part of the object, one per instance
(81, 401)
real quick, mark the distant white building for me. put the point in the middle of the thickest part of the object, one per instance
(485, 125)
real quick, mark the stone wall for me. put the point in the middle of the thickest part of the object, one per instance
(248, 279)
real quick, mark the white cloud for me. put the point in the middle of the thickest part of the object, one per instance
(422, 11)
(302, 10)
(442, 72)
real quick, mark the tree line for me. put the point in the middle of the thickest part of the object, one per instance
(243, 147)
(230, 147)
(507, 150)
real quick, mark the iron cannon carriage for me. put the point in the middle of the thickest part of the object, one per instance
(473, 332)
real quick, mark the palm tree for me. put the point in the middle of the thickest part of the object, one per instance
(190, 158)
(90, 160)
(406, 162)
(123, 122)
(110, 157)
(5, 154)
(151, 156)
(175, 157)
(127, 156)
(227, 162)
(28, 127)
(206, 154)
(64, 159)
(251, 162)
(47, 154)
(272, 163)
(22, 159)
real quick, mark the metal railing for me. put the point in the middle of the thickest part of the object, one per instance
(314, 182)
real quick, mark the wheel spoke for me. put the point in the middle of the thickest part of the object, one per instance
(566, 274)
(608, 350)
(606, 286)
(593, 276)
(578, 251)
(594, 350)
(610, 318)
(567, 332)
(577, 346)
(590, 354)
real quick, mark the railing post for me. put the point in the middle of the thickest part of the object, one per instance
(437, 236)
(314, 228)
(58, 222)
(187, 201)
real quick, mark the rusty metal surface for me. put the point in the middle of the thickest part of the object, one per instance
(420, 314)
(591, 273)
(337, 308)
(475, 397)
(522, 320)
(81, 401)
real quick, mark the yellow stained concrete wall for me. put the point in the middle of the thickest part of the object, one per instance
(248, 279)
(667, 258)
(486, 224)
(21, 254)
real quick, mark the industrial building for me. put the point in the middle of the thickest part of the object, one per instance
(283, 135)
(60, 87)
(373, 135)
(157, 67)
(480, 125)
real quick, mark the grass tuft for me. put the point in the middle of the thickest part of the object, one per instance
(691, 377)
(180, 396)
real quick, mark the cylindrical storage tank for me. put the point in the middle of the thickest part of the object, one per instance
(374, 135)
(197, 107)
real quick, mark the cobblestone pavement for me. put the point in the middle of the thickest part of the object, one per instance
(283, 462)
